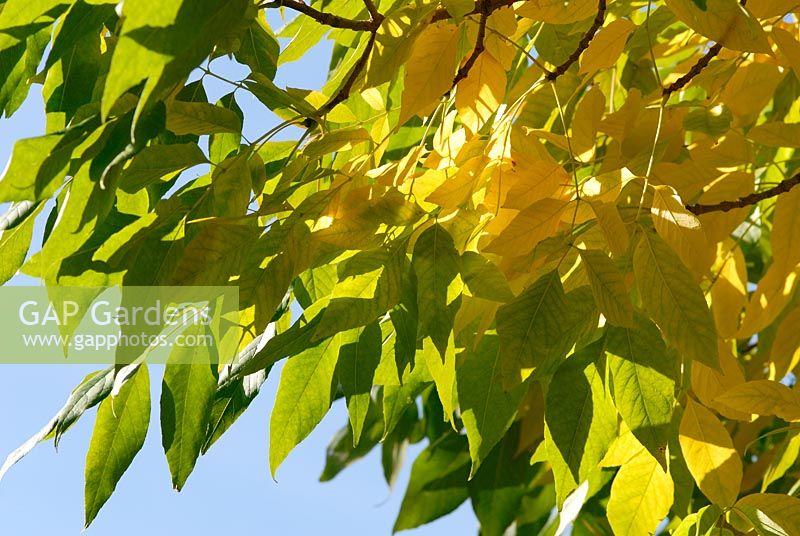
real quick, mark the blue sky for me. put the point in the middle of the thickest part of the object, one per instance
(231, 490)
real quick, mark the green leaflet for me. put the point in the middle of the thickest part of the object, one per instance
(200, 118)
(259, 49)
(443, 371)
(224, 144)
(483, 278)
(579, 412)
(539, 326)
(187, 396)
(487, 410)
(159, 162)
(303, 399)
(38, 165)
(643, 378)
(496, 490)
(436, 265)
(343, 450)
(359, 356)
(119, 434)
(91, 391)
(186, 33)
(229, 404)
(16, 232)
(368, 285)
(674, 300)
(438, 483)
(608, 287)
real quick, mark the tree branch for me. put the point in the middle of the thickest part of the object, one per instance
(347, 87)
(584, 43)
(463, 71)
(747, 200)
(696, 69)
(701, 64)
(328, 19)
(489, 6)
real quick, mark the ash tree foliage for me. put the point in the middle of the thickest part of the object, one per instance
(555, 241)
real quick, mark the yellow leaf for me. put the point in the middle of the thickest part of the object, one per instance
(750, 89)
(558, 11)
(710, 456)
(729, 290)
(785, 351)
(776, 287)
(612, 226)
(674, 300)
(788, 46)
(723, 21)
(528, 228)
(479, 95)
(608, 287)
(773, 8)
(429, 70)
(708, 383)
(776, 134)
(535, 181)
(773, 293)
(718, 226)
(586, 120)
(763, 397)
(606, 46)
(781, 509)
(641, 496)
(680, 229)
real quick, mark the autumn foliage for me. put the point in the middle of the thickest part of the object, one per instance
(557, 241)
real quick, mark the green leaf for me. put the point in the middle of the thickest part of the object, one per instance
(160, 162)
(435, 262)
(259, 49)
(608, 287)
(497, 488)
(303, 398)
(230, 403)
(187, 396)
(484, 279)
(438, 483)
(487, 410)
(538, 328)
(343, 451)
(201, 118)
(160, 44)
(359, 356)
(674, 300)
(119, 434)
(368, 286)
(579, 412)
(16, 232)
(701, 4)
(643, 378)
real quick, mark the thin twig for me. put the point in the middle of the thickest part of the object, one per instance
(463, 72)
(344, 91)
(328, 19)
(748, 200)
(584, 43)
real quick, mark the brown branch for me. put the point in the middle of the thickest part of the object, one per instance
(489, 6)
(344, 91)
(696, 69)
(748, 200)
(328, 19)
(374, 14)
(584, 43)
(463, 71)
(701, 64)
